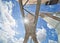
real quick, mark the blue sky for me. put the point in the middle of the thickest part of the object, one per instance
(51, 33)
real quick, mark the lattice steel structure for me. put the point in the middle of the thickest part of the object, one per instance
(30, 28)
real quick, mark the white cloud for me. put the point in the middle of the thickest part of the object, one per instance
(3, 40)
(52, 41)
(17, 0)
(41, 34)
(6, 13)
(50, 26)
(10, 6)
(7, 22)
(20, 40)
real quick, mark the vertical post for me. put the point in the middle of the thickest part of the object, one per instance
(21, 8)
(37, 11)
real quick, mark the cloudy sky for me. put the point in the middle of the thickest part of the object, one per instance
(12, 28)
